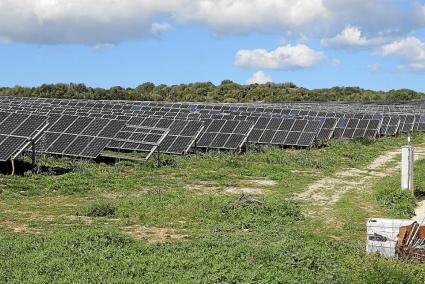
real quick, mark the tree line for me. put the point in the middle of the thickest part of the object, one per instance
(227, 91)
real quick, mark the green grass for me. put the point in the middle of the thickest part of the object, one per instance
(228, 239)
(397, 203)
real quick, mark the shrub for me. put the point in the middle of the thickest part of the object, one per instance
(101, 209)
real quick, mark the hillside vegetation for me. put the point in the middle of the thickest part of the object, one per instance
(227, 91)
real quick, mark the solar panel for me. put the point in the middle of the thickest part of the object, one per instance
(180, 138)
(144, 138)
(327, 128)
(75, 136)
(390, 125)
(419, 123)
(349, 128)
(407, 123)
(285, 132)
(264, 130)
(17, 131)
(303, 133)
(224, 134)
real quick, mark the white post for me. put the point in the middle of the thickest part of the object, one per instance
(407, 167)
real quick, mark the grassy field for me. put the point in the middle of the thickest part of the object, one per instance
(210, 218)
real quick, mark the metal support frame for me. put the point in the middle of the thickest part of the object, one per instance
(378, 132)
(12, 162)
(158, 143)
(195, 141)
(33, 157)
(30, 139)
(245, 140)
(195, 146)
(158, 157)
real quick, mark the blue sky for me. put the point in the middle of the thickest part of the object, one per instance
(376, 44)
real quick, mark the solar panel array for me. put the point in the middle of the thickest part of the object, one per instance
(84, 128)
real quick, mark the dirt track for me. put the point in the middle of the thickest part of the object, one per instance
(328, 191)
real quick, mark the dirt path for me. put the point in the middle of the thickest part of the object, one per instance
(419, 211)
(328, 191)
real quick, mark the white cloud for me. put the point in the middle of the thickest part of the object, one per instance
(259, 77)
(114, 21)
(80, 21)
(235, 16)
(304, 18)
(410, 50)
(377, 18)
(350, 36)
(336, 62)
(158, 28)
(5, 40)
(284, 57)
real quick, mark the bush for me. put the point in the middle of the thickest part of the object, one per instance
(101, 209)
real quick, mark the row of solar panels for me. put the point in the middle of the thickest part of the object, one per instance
(120, 108)
(87, 135)
(408, 122)
(111, 110)
(416, 107)
(72, 107)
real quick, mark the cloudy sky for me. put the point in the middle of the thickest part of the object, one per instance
(377, 44)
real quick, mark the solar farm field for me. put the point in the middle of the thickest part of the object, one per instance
(149, 192)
